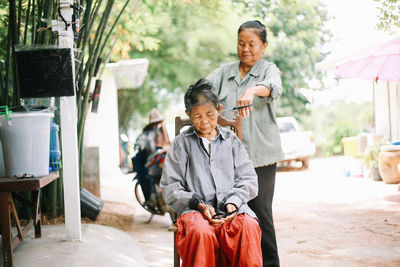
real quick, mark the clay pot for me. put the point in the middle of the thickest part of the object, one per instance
(389, 164)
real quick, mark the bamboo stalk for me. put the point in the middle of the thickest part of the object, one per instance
(85, 23)
(93, 15)
(2, 86)
(99, 50)
(54, 38)
(37, 19)
(13, 40)
(80, 145)
(11, 20)
(27, 22)
(86, 42)
(53, 198)
(47, 15)
(89, 69)
(103, 20)
(115, 23)
(19, 20)
(33, 22)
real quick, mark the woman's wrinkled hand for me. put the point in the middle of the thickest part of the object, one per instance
(231, 210)
(246, 99)
(208, 213)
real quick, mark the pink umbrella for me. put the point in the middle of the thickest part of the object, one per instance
(381, 62)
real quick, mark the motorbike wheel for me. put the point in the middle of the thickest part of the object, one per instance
(139, 195)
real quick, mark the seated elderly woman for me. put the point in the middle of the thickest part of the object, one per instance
(208, 179)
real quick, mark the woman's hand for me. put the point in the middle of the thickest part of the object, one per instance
(248, 97)
(208, 213)
(232, 210)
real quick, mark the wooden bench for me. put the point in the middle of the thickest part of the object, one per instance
(236, 126)
(8, 189)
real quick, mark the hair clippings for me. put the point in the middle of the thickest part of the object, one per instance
(25, 175)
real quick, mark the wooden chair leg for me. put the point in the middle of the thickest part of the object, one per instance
(177, 259)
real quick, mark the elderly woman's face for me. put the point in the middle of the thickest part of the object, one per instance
(204, 118)
(250, 48)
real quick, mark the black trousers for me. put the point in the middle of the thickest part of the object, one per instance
(262, 206)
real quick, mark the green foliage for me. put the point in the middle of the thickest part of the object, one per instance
(20, 22)
(194, 38)
(371, 156)
(295, 33)
(25, 22)
(389, 15)
(340, 119)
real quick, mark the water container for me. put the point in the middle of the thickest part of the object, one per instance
(2, 167)
(25, 137)
(90, 205)
(55, 153)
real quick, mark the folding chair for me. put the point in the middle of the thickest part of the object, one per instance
(236, 127)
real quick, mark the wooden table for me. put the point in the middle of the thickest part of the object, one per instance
(7, 207)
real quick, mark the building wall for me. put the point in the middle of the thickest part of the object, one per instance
(101, 129)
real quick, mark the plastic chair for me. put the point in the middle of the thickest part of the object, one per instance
(236, 127)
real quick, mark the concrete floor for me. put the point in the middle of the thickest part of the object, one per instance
(322, 218)
(100, 246)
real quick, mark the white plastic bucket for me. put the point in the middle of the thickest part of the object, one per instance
(2, 167)
(26, 143)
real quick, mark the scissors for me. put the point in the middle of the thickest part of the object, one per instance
(237, 108)
(220, 215)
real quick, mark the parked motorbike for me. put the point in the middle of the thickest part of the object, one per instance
(159, 207)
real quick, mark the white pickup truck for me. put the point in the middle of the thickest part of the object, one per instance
(296, 144)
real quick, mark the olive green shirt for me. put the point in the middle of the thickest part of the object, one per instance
(260, 133)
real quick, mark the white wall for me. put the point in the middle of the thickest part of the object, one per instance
(387, 109)
(101, 129)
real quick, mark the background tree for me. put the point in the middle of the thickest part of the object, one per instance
(389, 15)
(331, 122)
(26, 22)
(196, 37)
(296, 34)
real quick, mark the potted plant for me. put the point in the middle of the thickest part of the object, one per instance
(370, 159)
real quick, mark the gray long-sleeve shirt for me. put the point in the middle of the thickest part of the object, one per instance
(225, 175)
(260, 133)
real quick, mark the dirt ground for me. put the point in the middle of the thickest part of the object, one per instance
(322, 218)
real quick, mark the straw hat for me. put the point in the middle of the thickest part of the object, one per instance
(155, 116)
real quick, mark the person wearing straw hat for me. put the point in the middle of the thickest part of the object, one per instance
(151, 144)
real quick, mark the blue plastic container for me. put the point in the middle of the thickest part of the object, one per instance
(55, 153)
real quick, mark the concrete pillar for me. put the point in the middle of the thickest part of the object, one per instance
(69, 139)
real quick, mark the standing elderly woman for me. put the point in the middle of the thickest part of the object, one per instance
(253, 80)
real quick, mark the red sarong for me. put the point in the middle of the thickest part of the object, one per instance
(235, 243)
